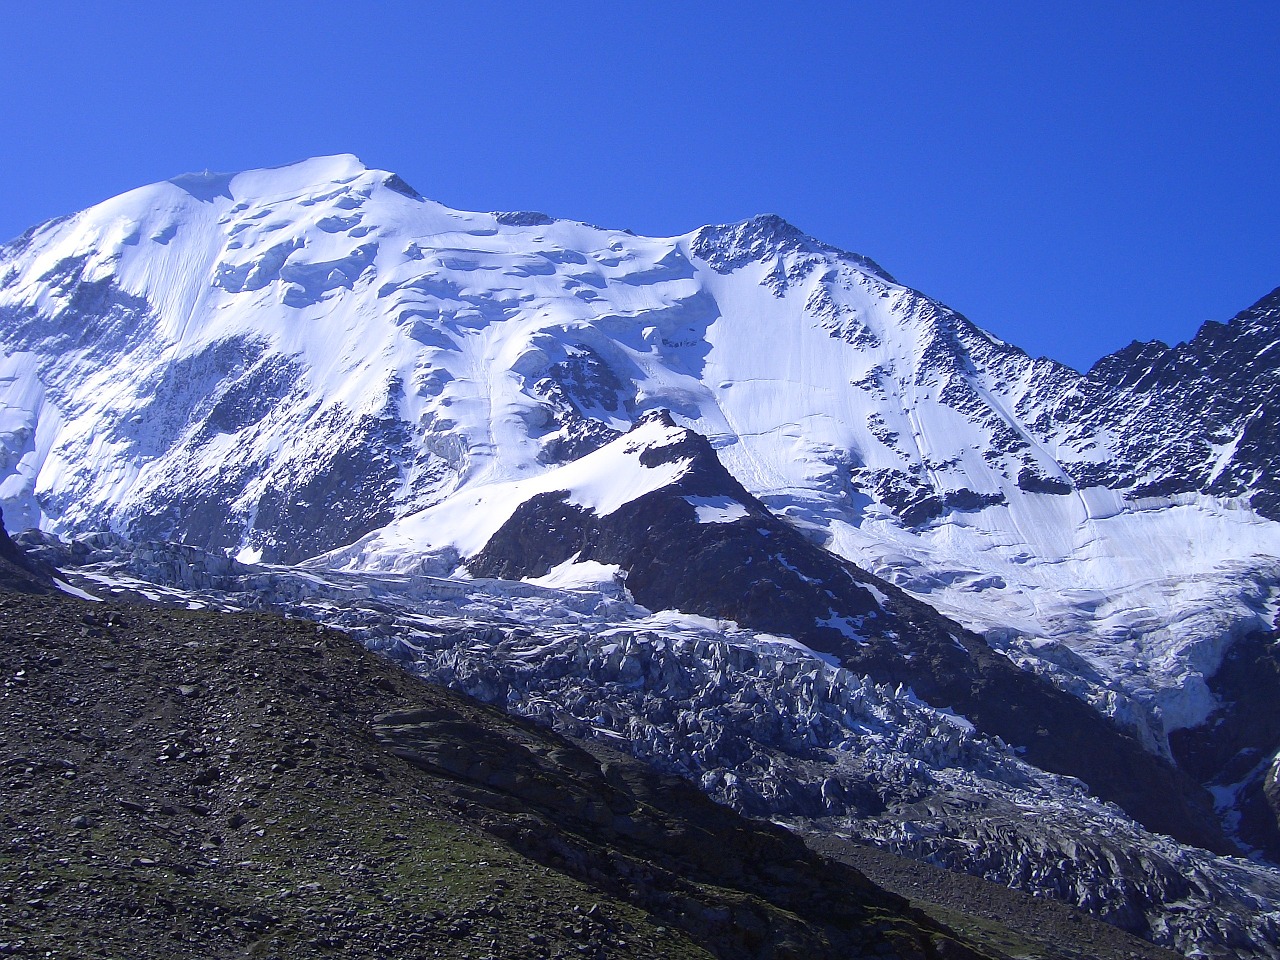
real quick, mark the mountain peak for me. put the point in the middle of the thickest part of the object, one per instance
(661, 416)
(267, 181)
(1265, 314)
(773, 225)
(728, 246)
(767, 236)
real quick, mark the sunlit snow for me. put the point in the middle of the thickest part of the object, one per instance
(717, 509)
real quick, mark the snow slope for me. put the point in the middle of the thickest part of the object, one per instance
(279, 363)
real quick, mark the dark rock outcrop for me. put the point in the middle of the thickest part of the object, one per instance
(1234, 750)
(190, 784)
(19, 571)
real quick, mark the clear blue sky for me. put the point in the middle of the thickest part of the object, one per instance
(1070, 176)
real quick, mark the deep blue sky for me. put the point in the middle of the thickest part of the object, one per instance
(1070, 176)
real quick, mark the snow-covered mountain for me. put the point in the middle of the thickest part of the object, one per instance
(314, 363)
(279, 362)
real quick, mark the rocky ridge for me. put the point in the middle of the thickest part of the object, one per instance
(742, 564)
(1199, 416)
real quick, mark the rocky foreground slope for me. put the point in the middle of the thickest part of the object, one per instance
(180, 784)
(761, 724)
(195, 784)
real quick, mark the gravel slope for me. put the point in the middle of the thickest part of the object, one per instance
(184, 783)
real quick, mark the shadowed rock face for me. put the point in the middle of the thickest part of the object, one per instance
(1236, 748)
(763, 574)
(20, 572)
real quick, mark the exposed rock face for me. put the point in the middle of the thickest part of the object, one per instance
(752, 568)
(19, 571)
(1200, 416)
(1234, 751)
